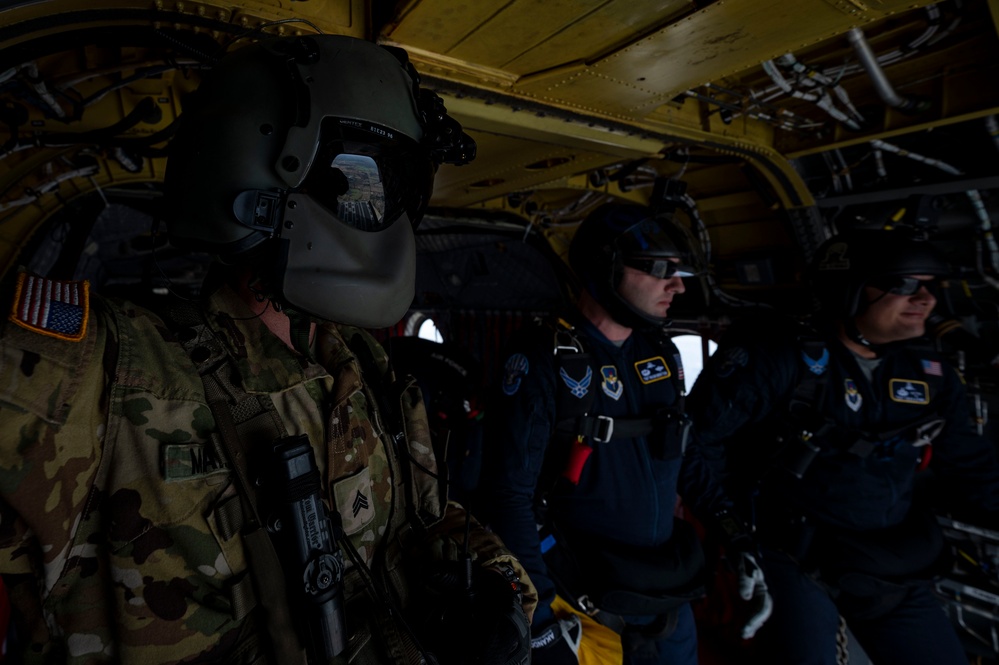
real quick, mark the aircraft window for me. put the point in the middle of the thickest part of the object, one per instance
(428, 330)
(692, 353)
(420, 325)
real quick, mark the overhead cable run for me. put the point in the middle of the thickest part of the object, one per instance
(986, 241)
(682, 200)
(822, 87)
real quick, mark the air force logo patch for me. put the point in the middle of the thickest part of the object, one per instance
(816, 367)
(577, 388)
(651, 370)
(907, 391)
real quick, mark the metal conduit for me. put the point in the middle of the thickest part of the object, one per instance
(881, 83)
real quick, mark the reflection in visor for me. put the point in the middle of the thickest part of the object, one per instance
(361, 196)
(368, 176)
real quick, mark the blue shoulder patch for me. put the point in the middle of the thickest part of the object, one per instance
(514, 371)
(817, 367)
(580, 387)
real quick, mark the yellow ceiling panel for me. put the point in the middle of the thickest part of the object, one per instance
(544, 35)
(516, 31)
(440, 25)
(712, 43)
(528, 36)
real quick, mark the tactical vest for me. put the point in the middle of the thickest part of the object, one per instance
(137, 534)
(249, 424)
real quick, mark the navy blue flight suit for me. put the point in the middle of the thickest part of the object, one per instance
(859, 487)
(627, 491)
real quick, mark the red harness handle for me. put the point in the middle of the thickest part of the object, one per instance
(578, 454)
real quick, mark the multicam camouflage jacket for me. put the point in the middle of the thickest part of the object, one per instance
(110, 542)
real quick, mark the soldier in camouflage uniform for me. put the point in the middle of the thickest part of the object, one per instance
(124, 533)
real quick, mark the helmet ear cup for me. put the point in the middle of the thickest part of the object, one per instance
(228, 138)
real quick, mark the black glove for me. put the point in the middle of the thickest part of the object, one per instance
(481, 623)
(557, 643)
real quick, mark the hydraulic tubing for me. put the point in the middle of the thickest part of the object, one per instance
(881, 83)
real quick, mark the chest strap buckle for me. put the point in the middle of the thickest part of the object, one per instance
(604, 429)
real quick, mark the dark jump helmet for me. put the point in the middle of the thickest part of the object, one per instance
(846, 263)
(619, 234)
(314, 158)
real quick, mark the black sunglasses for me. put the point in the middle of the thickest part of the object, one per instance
(904, 286)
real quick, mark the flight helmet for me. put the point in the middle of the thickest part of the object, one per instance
(312, 159)
(846, 263)
(621, 234)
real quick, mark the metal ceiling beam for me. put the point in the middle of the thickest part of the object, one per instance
(902, 193)
(526, 119)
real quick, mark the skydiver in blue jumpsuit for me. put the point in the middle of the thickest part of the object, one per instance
(825, 432)
(608, 481)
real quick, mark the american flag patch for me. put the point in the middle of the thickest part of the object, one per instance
(932, 367)
(50, 307)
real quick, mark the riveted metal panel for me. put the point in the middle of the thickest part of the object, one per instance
(718, 41)
(441, 25)
(523, 37)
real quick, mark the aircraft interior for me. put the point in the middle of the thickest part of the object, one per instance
(764, 126)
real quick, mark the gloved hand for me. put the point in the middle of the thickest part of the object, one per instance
(558, 642)
(475, 616)
(753, 589)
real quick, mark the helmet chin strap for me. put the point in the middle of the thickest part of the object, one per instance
(628, 315)
(855, 335)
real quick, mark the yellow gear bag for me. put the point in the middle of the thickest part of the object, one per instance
(600, 645)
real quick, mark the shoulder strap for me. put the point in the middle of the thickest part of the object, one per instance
(423, 467)
(806, 398)
(575, 375)
(804, 423)
(240, 417)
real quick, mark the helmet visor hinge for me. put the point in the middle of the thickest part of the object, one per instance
(258, 210)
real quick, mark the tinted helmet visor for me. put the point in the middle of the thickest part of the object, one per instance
(367, 175)
(904, 286)
(648, 246)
